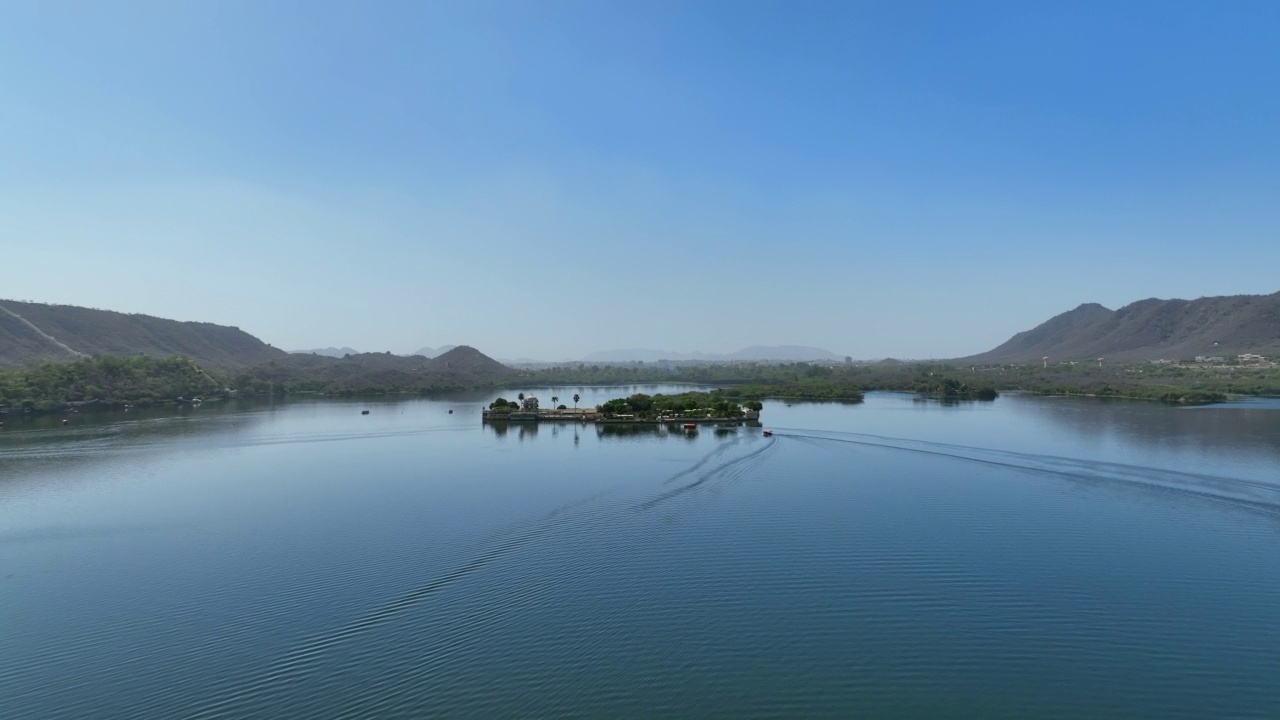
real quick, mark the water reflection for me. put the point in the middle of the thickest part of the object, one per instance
(267, 566)
(35, 443)
(947, 401)
(1154, 425)
(663, 431)
(39, 445)
(630, 430)
(613, 431)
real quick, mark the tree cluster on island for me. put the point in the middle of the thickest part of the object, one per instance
(504, 406)
(687, 405)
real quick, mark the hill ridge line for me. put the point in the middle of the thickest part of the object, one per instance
(1150, 329)
(42, 333)
(32, 332)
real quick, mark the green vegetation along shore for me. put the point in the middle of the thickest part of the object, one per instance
(797, 381)
(114, 381)
(107, 381)
(1163, 382)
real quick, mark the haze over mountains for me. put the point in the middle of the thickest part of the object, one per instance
(787, 353)
(31, 332)
(1150, 329)
(780, 353)
(337, 352)
(1145, 330)
(373, 372)
(334, 352)
(431, 352)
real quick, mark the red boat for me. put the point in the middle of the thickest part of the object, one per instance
(691, 426)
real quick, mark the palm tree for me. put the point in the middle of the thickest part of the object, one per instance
(575, 401)
(554, 401)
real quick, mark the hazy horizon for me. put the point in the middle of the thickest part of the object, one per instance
(550, 180)
(670, 354)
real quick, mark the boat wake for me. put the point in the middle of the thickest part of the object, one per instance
(580, 515)
(727, 471)
(1252, 495)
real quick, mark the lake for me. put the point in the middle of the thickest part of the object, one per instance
(899, 558)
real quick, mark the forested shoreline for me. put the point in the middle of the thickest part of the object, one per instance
(111, 381)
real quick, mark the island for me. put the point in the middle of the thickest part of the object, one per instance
(686, 408)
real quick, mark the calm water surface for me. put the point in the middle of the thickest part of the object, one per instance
(1031, 557)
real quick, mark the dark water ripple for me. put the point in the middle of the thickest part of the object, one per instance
(587, 513)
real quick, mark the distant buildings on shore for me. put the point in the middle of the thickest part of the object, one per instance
(1243, 359)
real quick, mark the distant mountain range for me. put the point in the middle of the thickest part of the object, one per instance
(337, 352)
(31, 332)
(1145, 330)
(328, 352)
(373, 372)
(430, 352)
(788, 353)
(1150, 329)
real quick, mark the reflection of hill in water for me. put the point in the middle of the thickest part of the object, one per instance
(1210, 428)
(41, 443)
(35, 445)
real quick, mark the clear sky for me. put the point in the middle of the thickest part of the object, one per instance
(544, 179)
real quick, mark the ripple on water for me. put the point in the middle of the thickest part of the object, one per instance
(813, 573)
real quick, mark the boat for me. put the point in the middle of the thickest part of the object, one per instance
(691, 426)
(768, 433)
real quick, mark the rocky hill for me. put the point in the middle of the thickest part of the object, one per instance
(1150, 330)
(30, 332)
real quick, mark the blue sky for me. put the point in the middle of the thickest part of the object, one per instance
(547, 179)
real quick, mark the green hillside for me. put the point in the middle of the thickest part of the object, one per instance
(106, 381)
